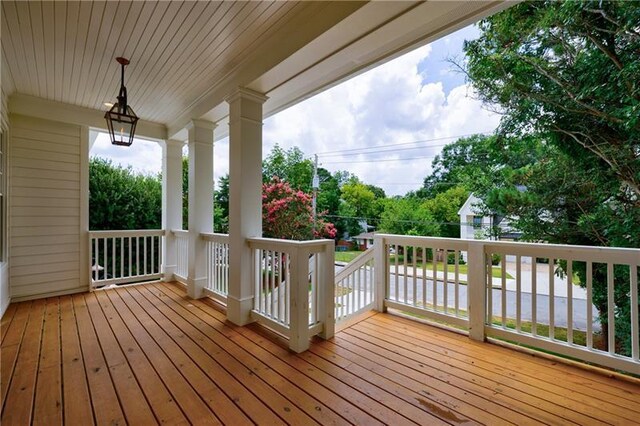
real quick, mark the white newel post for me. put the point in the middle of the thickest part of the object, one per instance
(476, 290)
(245, 198)
(299, 302)
(200, 202)
(326, 287)
(171, 204)
(380, 273)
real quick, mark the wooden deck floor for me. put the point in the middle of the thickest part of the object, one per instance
(147, 354)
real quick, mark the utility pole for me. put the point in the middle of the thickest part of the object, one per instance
(315, 184)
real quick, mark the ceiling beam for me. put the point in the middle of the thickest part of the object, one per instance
(67, 113)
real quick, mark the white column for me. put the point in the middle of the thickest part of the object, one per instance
(245, 198)
(200, 202)
(171, 203)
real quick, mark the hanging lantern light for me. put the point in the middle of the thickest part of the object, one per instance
(121, 120)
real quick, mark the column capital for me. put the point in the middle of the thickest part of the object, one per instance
(174, 143)
(244, 93)
(200, 124)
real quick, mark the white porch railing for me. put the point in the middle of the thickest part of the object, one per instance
(182, 255)
(422, 276)
(426, 276)
(354, 287)
(553, 313)
(293, 291)
(217, 246)
(120, 257)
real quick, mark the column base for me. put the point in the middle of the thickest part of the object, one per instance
(195, 287)
(239, 310)
(168, 273)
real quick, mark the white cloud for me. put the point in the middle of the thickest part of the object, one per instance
(143, 156)
(385, 106)
(388, 105)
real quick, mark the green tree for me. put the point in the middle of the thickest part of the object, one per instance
(566, 74)
(408, 216)
(120, 199)
(478, 162)
(444, 208)
(357, 205)
(221, 205)
(567, 71)
(289, 166)
(220, 201)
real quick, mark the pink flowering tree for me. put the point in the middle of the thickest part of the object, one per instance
(288, 214)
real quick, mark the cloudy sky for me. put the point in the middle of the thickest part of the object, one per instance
(385, 126)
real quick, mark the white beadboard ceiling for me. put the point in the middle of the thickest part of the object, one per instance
(186, 56)
(64, 51)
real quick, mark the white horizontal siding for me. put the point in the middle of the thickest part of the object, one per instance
(45, 236)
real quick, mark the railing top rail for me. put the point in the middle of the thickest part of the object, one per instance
(284, 245)
(454, 243)
(180, 232)
(618, 255)
(212, 236)
(127, 233)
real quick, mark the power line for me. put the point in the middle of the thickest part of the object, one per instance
(380, 160)
(385, 150)
(405, 143)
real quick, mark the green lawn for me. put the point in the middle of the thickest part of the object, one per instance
(463, 269)
(347, 256)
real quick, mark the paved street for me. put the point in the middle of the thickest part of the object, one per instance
(542, 300)
(579, 308)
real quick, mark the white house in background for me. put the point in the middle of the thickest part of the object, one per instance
(364, 240)
(476, 226)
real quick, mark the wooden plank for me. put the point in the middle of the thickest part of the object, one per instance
(161, 358)
(348, 411)
(162, 402)
(573, 378)
(564, 404)
(429, 398)
(218, 367)
(76, 399)
(320, 412)
(48, 398)
(11, 345)
(134, 404)
(470, 389)
(384, 395)
(18, 405)
(207, 389)
(104, 400)
(7, 318)
(364, 400)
